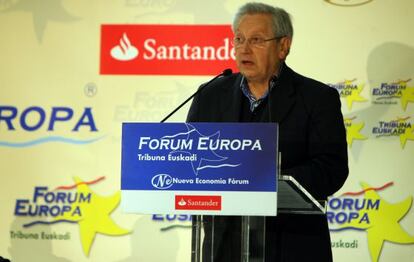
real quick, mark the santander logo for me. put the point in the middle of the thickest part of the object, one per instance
(197, 202)
(166, 49)
(124, 51)
(182, 202)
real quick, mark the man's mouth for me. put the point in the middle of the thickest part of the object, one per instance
(247, 62)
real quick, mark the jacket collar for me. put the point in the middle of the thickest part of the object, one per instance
(281, 97)
(231, 101)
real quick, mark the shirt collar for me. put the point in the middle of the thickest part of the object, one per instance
(254, 103)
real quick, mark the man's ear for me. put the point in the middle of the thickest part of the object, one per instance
(284, 47)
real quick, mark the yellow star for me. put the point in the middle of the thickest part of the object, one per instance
(355, 95)
(382, 222)
(408, 135)
(92, 215)
(407, 95)
(353, 131)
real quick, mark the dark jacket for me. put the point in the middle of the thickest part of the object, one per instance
(312, 142)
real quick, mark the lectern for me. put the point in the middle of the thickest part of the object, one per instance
(216, 172)
(292, 199)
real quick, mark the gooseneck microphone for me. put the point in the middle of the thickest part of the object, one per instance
(225, 72)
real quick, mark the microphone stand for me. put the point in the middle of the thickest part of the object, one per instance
(198, 219)
(226, 72)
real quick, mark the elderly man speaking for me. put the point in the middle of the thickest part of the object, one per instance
(312, 138)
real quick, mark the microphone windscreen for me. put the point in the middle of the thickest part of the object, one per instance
(227, 72)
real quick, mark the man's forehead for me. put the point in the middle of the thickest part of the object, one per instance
(255, 23)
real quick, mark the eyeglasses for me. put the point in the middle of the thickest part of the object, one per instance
(238, 41)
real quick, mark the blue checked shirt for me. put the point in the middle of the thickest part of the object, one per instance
(254, 103)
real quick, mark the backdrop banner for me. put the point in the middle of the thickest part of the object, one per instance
(71, 72)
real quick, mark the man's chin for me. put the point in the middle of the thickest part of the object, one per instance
(248, 73)
(251, 76)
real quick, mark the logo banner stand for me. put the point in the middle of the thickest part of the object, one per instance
(224, 174)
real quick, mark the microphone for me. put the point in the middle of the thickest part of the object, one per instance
(225, 72)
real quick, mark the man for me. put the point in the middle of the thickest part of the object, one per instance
(312, 138)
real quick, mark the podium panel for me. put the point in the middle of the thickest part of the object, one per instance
(199, 168)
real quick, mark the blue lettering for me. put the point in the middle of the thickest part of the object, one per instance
(334, 203)
(347, 203)
(23, 208)
(8, 117)
(49, 197)
(353, 204)
(43, 210)
(34, 117)
(20, 209)
(184, 218)
(373, 205)
(61, 197)
(54, 210)
(157, 217)
(341, 217)
(32, 210)
(352, 215)
(68, 113)
(83, 198)
(23, 118)
(359, 207)
(86, 119)
(65, 209)
(76, 211)
(171, 217)
(330, 216)
(364, 218)
(38, 192)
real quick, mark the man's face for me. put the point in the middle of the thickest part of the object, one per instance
(257, 62)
